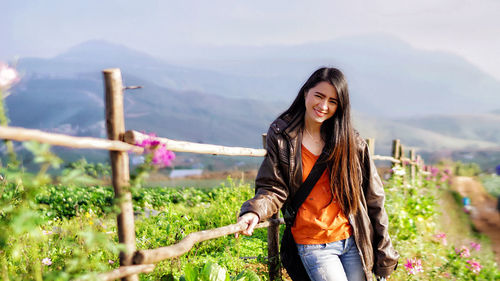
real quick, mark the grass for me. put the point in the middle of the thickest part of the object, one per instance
(84, 241)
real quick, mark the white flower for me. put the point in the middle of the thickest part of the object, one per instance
(47, 261)
(399, 171)
(8, 76)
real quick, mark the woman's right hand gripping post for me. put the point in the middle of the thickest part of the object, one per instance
(251, 220)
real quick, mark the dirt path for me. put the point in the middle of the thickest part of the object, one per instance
(484, 215)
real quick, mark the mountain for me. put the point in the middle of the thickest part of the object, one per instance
(75, 106)
(480, 127)
(423, 138)
(387, 76)
(233, 102)
(96, 55)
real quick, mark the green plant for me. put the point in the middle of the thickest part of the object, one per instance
(491, 183)
(466, 169)
(93, 170)
(213, 272)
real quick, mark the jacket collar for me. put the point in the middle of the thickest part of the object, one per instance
(289, 125)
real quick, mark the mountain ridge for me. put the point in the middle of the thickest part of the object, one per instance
(211, 106)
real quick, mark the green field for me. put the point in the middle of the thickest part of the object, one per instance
(60, 232)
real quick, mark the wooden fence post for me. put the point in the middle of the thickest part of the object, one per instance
(396, 145)
(115, 124)
(273, 238)
(420, 164)
(402, 158)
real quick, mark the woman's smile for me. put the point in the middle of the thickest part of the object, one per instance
(319, 112)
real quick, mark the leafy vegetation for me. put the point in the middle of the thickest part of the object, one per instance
(491, 183)
(55, 231)
(430, 248)
(466, 169)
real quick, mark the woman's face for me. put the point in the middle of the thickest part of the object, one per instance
(321, 102)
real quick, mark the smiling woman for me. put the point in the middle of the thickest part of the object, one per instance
(318, 171)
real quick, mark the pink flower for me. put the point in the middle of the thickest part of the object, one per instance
(463, 252)
(47, 261)
(442, 237)
(475, 246)
(149, 143)
(473, 265)
(162, 157)
(111, 261)
(434, 171)
(8, 76)
(444, 178)
(45, 232)
(413, 266)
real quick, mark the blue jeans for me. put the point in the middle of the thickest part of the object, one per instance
(336, 261)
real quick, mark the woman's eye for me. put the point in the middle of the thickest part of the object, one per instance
(333, 102)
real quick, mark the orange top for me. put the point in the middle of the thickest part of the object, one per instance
(319, 219)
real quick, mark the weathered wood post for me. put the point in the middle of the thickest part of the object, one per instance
(115, 124)
(273, 238)
(396, 145)
(412, 167)
(403, 160)
(420, 164)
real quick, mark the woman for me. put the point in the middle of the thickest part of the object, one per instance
(340, 230)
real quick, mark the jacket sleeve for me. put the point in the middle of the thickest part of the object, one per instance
(386, 257)
(270, 188)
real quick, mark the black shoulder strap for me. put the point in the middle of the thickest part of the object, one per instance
(290, 209)
(313, 177)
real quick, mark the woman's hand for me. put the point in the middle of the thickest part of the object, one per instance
(251, 220)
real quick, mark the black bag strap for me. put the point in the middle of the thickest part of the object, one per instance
(307, 186)
(290, 210)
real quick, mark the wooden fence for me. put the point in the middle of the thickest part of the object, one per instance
(120, 142)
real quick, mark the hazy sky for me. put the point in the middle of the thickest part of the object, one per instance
(469, 28)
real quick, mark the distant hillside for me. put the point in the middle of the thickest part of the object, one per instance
(234, 102)
(94, 56)
(422, 139)
(75, 106)
(387, 76)
(483, 127)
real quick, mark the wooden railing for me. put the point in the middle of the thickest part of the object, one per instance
(119, 143)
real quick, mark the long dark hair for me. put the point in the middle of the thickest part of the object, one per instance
(339, 137)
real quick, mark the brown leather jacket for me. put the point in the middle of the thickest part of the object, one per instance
(280, 176)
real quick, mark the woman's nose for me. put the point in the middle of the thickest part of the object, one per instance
(324, 105)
